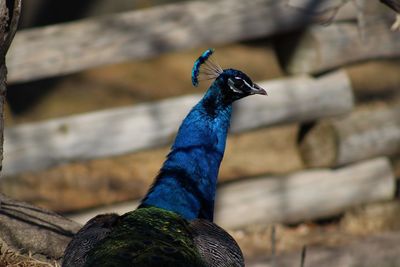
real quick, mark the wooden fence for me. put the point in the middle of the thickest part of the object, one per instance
(35, 146)
(72, 47)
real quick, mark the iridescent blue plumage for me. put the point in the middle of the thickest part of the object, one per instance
(173, 225)
(187, 181)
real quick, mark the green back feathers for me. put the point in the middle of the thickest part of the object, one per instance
(151, 237)
(147, 237)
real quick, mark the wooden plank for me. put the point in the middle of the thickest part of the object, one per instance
(72, 47)
(323, 48)
(28, 229)
(302, 196)
(112, 132)
(362, 135)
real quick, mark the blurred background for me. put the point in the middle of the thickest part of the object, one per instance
(97, 90)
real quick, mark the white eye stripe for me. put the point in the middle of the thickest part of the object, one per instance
(246, 83)
(232, 86)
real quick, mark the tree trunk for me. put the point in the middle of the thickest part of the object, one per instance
(9, 17)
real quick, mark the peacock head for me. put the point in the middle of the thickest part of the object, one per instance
(234, 84)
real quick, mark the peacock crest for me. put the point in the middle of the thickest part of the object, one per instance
(205, 68)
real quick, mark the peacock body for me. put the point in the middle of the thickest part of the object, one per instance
(173, 225)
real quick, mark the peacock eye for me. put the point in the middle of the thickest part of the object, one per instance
(239, 83)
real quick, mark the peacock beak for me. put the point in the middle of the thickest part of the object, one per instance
(256, 89)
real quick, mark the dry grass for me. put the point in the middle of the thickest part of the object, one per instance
(10, 258)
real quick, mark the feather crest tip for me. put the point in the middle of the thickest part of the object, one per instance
(204, 68)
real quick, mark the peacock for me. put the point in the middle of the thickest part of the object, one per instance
(173, 226)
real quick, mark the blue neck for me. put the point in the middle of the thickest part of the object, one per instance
(187, 181)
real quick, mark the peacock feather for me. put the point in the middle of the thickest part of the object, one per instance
(174, 226)
(147, 237)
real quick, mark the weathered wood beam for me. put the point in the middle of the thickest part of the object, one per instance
(323, 48)
(72, 47)
(37, 146)
(302, 196)
(362, 135)
(27, 228)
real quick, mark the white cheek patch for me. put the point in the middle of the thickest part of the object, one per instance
(232, 86)
(234, 89)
